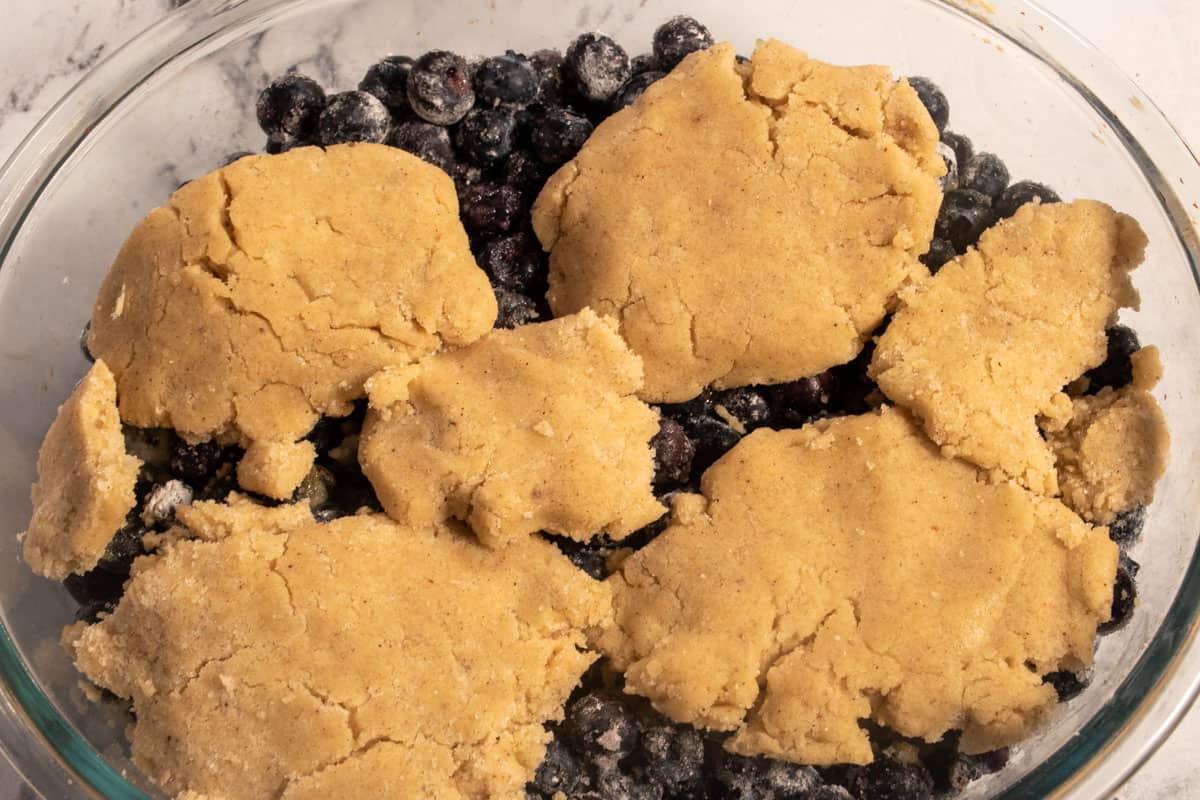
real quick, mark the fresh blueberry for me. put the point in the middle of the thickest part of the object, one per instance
(748, 406)
(985, 173)
(950, 158)
(1127, 527)
(940, 251)
(96, 591)
(743, 778)
(1124, 596)
(615, 785)
(886, 779)
(466, 176)
(194, 464)
(795, 403)
(388, 81)
(597, 67)
(964, 215)
(634, 87)
(548, 67)
(677, 38)
(1117, 369)
(558, 134)
(1019, 194)
(439, 88)
(124, 547)
(686, 412)
(644, 62)
(505, 80)
(933, 99)
(673, 755)
(600, 723)
(1067, 684)
(673, 453)
(83, 341)
(514, 310)
(560, 771)
(490, 209)
(961, 145)
(514, 262)
(353, 117)
(486, 135)
(424, 140)
(526, 173)
(288, 108)
(713, 439)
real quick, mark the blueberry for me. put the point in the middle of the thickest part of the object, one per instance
(677, 38)
(615, 785)
(1124, 596)
(985, 173)
(326, 434)
(950, 158)
(83, 341)
(1127, 527)
(526, 173)
(826, 792)
(274, 147)
(744, 778)
(590, 557)
(388, 81)
(674, 756)
(1117, 369)
(514, 309)
(964, 215)
(289, 106)
(933, 99)
(505, 80)
(673, 453)
(940, 251)
(548, 67)
(124, 547)
(961, 145)
(644, 62)
(1019, 194)
(353, 117)
(490, 209)
(713, 439)
(316, 488)
(560, 771)
(99, 589)
(634, 87)
(796, 402)
(886, 779)
(600, 723)
(699, 406)
(558, 134)
(514, 262)
(1067, 684)
(424, 140)
(194, 464)
(596, 67)
(439, 88)
(465, 176)
(486, 135)
(220, 485)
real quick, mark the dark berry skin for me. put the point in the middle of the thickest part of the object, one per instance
(490, 209)
(83, 341)
(1019, 194)
(1124, 596)
(961, 145)
(964, 215)
(596, 67)
(616, 785)
(933, 99)
(514, 310)
(194, 464)
(985, 173)
(1067, 684)
(644, 62)
(526, 173)
(674, 756)
(940, 251)
(505, 80)
(713, 439)
(1127, 527)
(560, 771)
(486, 135)
(950, 159)
(124, 547)
(743, 778)
(673, 453)
(514, 263)
(677, 38)
(558, 134)
(602, 724)
(289, 106)
(439, 88)
(747, 406)
(388, 81)
(796, 402)
(1117, 369)
(886, 779)
(634, 87)
(547, 66)
(353, 117)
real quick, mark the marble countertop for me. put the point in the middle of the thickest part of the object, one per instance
(46, 46)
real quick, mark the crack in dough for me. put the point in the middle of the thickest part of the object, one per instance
(847, 570)
(266, 293)
(784, 209)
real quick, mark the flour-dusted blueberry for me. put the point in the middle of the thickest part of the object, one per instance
(596, 67)
(97, 590)
(690, 410)
(677, 38)
(558, 134)
(673, 453)
(288, 108)
(634, 87)
(643, 62)
(1127, 527)
(124, 547)
(827, 791)
(222, 483)
(797, 401)
(950, 158)
(505, 80)
(933, 99)
(439, 87)
(1067, 684)
(613, 784)
(674, 757)
(745, 778)
(940, 251)
(887, 779)
(490, 209)
(1023, 192)
(424, 140)
(1124, 595)
(560, 771)
(985, 173)
(514, 310)
(748, 406)
(514, 262)
(387, 80)
(486, 135)
(1117, 369)
(316, 488)
(961, 145)
(194, 464)
(353, 117)
(526, 173)
(713, 438)
(601, 723)
(548, 67)
(964, 215)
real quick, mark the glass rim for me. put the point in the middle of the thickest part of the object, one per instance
(1150, 700)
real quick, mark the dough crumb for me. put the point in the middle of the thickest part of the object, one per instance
(531, 429)
(986, 346)
(275, 469)
(85, 481)
(845, 571)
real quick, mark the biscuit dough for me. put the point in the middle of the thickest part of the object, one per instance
(531, 429)
(265, 293)
(277, 657)
(746, 224)
(1114, 448)
(85, 481)
(275, 469)
(848, 570)
(987, 345)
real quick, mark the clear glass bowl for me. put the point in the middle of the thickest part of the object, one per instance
(180, 97)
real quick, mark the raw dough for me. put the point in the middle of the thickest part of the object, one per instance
(278, 657)
(531, 429)
(848, 570)
(1114, 449)
(85, 481)
(988, 344)
(275, 469)
(268, 291)
(746, 224)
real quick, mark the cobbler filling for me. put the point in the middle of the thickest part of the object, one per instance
(500, 127)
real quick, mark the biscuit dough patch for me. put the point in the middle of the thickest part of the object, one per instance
(531, 429)
(277, 657)
(745, 224)
(85, 481)
(275, 469)
(265, 293)
(986, 346)
(848, 570)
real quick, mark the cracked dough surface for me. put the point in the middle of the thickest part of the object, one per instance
(531, 429)
(848, 570)
(277, 657)
(267, 292)
(745, 224)
(1114, 448)
(85, 481)
(986, 346)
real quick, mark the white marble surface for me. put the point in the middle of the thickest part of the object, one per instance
(46, 46)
